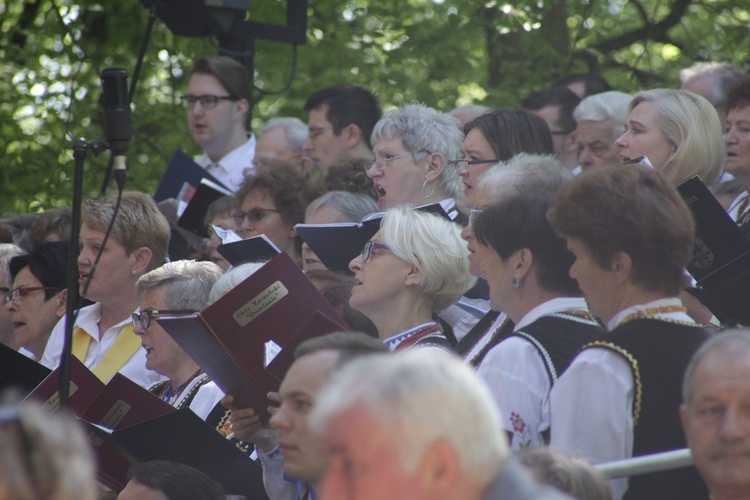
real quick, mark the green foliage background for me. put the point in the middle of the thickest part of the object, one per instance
(441, 52)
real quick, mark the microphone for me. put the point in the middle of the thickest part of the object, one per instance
(117, 120)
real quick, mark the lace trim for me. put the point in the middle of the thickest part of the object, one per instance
(636, 374)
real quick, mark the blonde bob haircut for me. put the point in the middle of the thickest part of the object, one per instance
(139, 223)
(434, 246)
(692, 125)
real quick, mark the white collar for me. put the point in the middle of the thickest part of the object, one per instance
(647, 309)
(551, 306)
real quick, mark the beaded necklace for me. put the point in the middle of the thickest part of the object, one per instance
(170, 394)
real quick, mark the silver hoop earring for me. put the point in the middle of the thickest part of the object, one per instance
(424, 185)
(516, 281)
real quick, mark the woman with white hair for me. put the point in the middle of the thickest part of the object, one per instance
(415, 266)
(680, 133)
(412, 146)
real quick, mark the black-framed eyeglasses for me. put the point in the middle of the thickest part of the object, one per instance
(22, 291)
(207, 101)
(462, 166)
(382, 163)
(315, 132)
(367, 249)
(146, 315)
(473, 214)
(253, 216)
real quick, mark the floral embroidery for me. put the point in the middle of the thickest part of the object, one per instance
(521, 432)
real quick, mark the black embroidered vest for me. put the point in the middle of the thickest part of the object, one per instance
(658, 352)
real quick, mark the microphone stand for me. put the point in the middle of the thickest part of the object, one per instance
(80, 151)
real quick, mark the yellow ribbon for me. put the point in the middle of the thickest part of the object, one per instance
(125, 345)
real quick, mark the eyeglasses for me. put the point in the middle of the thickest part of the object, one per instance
(367, 249)
(207, 101)
(315, 132)
(382, 163)
(473, 214)
(253, 216)
(145, 316)
(463, 165)
(4, 292)
(19, 293)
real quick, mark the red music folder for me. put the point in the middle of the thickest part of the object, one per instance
(118, 404)
(235, 338)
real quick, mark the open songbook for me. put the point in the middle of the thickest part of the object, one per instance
(128, 424)
(336, 244)
(236, 339)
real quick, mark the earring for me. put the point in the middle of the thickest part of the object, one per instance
(516, 281)
(424, 185)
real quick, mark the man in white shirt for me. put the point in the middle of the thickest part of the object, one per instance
(218, 101)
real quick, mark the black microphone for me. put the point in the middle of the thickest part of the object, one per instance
(117, 121)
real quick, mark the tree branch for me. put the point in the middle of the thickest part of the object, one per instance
(649, 31)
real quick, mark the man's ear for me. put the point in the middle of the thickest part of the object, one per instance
(352, 135)
(241, 108)
(440, 466)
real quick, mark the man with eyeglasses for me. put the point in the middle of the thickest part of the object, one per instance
(218, 100)
(555, 105)
(340, 124)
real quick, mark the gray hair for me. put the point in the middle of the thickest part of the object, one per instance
(435, 247)
(7, 252)
(232, 278)
(294, 128)
(602, 107)
(186, 283)
(425, 129)
(354, 206)
(725, 76)
(421, 398)
(734, 341)
(525, 174)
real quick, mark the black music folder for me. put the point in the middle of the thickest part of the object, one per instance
(720, 261)
(338, 243)
(182, 437)
(20, 372)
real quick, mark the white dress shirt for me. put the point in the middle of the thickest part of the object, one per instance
(517, 377)
(88, 320)
(230, 170)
